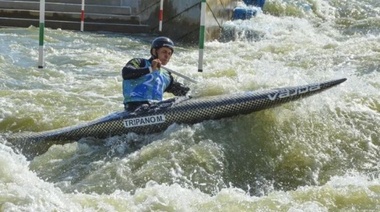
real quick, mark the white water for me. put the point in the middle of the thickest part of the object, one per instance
(318, 154)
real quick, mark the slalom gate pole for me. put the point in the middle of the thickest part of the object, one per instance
(82, 17)
(41, 35)
(161, 15)
(202, 35)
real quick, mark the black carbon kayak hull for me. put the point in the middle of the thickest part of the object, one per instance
(181, 111)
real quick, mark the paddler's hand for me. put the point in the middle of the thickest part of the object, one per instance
(156, 64)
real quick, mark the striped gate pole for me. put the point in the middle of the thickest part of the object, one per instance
(161, 15)
(41, 36)
(82, 17)
(202, 35)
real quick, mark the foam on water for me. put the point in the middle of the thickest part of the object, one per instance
(317, 154)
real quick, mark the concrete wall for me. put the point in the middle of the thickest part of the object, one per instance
(100, 15)
(180, 21)
(182, 17)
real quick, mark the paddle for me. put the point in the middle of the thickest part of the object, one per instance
(179, 74)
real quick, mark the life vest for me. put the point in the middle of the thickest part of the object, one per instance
(150, 87)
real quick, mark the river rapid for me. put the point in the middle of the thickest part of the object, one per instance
(317, 154)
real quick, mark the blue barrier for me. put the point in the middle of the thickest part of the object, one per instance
(243, 13)
(257, 3)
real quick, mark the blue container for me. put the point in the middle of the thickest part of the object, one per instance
(257, 3)
(243, 13)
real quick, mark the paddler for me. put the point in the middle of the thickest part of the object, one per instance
(144, 82)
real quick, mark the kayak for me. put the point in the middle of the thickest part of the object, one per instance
(180, 110)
